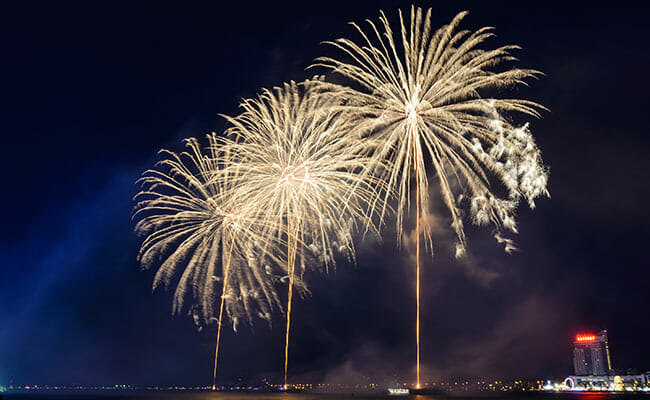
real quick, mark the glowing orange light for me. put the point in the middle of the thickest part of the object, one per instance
(585, 337)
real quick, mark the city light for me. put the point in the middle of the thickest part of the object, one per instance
(585, 338)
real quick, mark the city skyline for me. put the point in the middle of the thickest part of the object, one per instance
(597, 366)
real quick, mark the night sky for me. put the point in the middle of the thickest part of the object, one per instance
(90, 92)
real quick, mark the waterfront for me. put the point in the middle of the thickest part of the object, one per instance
(314, 396)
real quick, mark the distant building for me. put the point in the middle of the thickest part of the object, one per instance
(591, 354)
(615, 383)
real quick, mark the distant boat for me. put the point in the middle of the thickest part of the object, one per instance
(398, 392)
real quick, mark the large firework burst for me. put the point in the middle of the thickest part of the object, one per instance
(422, 94)
(304, 172)
(204, 240)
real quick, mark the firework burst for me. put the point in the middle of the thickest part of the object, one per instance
(421, 94)
(203, 240)
(300, 165)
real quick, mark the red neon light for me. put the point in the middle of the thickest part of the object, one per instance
(585, 337)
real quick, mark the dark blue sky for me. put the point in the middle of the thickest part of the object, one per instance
(89, 92)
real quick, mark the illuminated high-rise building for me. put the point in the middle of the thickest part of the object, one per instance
(591, 354)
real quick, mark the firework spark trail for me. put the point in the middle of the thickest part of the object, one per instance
(291, 261)
(428, 93)
(307, 173)
(417, 277)
(190, 228)
(223, 299)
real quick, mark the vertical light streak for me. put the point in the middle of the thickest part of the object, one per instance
(223, 298)
(417, 288)
(291, 263)
(417, 253)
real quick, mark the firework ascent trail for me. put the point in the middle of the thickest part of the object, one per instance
(418, 93)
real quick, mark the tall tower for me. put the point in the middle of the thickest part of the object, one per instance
(591, 354)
